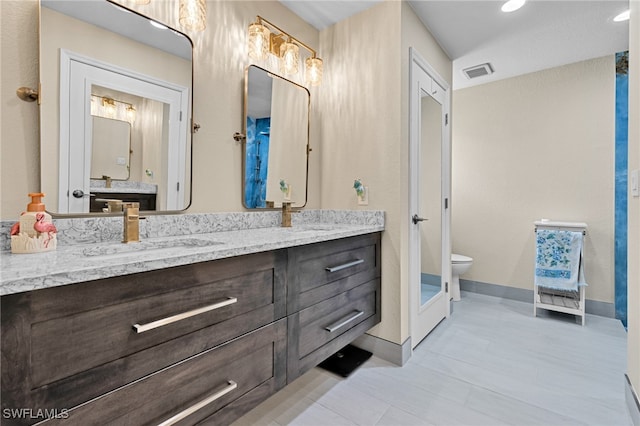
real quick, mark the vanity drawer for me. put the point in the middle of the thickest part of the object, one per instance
(318, 271)
(219, 383)
(81, 339)
(320, 330)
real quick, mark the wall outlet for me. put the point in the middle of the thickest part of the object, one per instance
(121, 161)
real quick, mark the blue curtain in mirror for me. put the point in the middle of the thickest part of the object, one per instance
(255, 192)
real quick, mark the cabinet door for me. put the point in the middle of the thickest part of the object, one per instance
(66, 345)
(319, 271)
(317, 332)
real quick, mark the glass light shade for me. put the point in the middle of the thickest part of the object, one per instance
(131, 113)
(258, 41)
(313, 71)
(289, 58)
(193, 14)
(109, 107)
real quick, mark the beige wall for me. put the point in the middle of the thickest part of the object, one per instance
(220, 58)
(530, 147)
(360, 127)
(364, 128)
(633, 273)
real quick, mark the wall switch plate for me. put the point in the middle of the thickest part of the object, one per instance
(635, 178)
(121, 161)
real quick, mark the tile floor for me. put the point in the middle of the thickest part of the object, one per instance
(490, 363)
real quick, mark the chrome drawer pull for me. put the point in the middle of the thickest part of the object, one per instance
(165, 321)
(343, 321)
(344, 266)
(195, 407)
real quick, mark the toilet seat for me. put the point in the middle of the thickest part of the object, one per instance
(458, 258)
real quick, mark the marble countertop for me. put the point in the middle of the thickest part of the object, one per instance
(75, 263)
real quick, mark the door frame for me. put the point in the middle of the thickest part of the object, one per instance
(439, 306)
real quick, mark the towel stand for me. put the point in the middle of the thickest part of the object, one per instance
(567, 301)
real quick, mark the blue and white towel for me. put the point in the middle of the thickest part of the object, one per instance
(558, 259)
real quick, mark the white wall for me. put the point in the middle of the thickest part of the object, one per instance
(633, 272)
(220, 57)
(535, 146)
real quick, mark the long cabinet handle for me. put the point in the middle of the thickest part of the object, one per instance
(231, 385)
(343, 321)
(141, 328)
(344, 266)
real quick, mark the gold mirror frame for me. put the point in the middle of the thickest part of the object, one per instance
(271, 197)
(186, 178)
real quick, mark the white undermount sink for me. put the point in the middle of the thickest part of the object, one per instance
(111, 249)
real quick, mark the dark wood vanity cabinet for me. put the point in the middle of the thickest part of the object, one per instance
(199, 343)
(333, 297)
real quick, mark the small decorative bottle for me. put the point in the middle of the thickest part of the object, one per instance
(34, 233)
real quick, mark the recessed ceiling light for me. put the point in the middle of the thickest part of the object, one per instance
(512, 5)
(624, 16)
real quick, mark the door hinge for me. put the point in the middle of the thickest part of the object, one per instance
(446, 119)
(446, 203)
(178, 186)
(180, 116)
(446, 287)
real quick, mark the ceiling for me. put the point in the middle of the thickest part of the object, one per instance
(542, 34)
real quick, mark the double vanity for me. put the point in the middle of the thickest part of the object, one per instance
(197, 327)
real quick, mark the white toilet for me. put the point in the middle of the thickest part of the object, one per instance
(459, 265)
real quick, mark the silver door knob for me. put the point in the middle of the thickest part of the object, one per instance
(415, 218)
(79, 193)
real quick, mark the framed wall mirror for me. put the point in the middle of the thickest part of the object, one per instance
(276, 149)
(107, 72)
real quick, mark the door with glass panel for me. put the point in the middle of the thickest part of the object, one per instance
(429, 198)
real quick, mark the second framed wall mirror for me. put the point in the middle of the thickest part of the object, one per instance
(276, 149)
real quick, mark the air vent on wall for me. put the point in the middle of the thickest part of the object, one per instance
(478, 71)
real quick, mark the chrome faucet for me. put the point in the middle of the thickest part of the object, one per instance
(131, 222)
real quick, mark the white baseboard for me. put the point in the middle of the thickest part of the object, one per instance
(384, 349)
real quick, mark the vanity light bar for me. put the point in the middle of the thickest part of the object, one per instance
(262, 40)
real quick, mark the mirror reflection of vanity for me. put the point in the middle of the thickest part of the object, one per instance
(276, 149)
(115, 108)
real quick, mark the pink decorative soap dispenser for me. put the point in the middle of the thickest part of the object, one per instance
(35, 232)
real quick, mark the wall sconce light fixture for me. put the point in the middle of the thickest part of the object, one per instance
(265, 37)
(193, 14)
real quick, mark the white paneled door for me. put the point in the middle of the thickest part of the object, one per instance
(429, 165)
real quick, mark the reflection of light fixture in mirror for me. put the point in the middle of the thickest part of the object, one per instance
(289, 57)
(258, 41)
(265, 37)
(109, 106)
(193, 14)
(131, 113)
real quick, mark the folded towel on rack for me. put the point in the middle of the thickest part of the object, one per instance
(559, 259)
